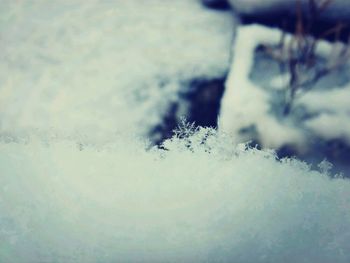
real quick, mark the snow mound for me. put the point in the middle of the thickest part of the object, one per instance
(200, 199)
(104, 66)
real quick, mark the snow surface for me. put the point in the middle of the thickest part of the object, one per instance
(247, 102)
(101, 67)
(78, 79)
(64, 201)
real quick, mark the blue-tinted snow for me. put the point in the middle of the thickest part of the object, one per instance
(75, 73)
(204, 199)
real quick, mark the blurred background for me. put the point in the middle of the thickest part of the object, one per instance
(96, 68)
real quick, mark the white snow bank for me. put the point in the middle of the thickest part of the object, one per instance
(62, 201)
(103, 66)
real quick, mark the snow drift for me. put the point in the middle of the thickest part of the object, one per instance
(64, 200)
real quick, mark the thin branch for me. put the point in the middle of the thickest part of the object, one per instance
(298, 54)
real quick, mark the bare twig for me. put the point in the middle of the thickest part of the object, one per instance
(298, 54)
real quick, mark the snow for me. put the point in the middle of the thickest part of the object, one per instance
(247, 101)
(244, 103)
(333, 106)
(82, 83)
(61, 200)
(337, 100)
(324, 122)
(100, 67)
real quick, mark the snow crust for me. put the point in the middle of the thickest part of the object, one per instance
(104, 66)
(203, 199)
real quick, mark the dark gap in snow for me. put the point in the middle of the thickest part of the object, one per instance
(204, 98)
(338, 150)
(335, 151)
(216, 4)
(286, 151)
(287, 22)
(199, 103)
(164, 130)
